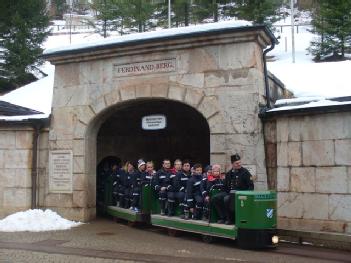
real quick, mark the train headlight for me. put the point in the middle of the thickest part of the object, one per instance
(275, 239)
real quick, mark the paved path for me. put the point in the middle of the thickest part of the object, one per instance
(106, 241)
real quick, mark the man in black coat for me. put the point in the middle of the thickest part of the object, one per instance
(237, 179)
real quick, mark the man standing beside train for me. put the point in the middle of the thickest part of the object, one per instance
(237, 179)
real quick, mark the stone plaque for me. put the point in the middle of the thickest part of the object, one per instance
(60, 173)
(153, 122)
(148, 67)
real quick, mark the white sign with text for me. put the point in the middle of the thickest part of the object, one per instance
(154, 122)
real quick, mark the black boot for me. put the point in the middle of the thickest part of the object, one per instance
(163, 207)
(170, 208)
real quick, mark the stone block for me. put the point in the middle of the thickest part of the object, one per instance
(331, 180)
(2, 159)
(290, 205)
(112, 97)
(311, 225)
(202, 59)
(218, 143)
(44, 140)
(343, 152)
(294, 154)
(62, 123)
(79, 130)
(318, 153)
(241, 78)
(43, 158)
(208, 106)
(7, 177)
(7, 139)
(18, 159)
(58, 200)
(193, 97)
(349, 180)
(78, 164)
(296, 126)
(17, 197)
(78, 147)
(143, 91)
(195, 80)
(80, 182)
(176, 93)
(85, 114)
(98, 104)
(282, 154)
(159, 91)
(61, 145)
(90, 72)
(127, 93)
(303, 179)
(238, 55)
(24, 139)
(282, 130)
(315, 206)
(79, 199)
(283, 179)
(340, 207)
(216, 124)
(66, 75)
(322, 126)
(70, 96)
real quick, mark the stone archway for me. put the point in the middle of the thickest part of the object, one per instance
(102, 109)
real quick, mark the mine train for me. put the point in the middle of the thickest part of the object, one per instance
(255, 216)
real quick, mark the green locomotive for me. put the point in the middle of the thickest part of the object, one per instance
(255, 218)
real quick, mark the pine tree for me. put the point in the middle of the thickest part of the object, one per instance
(332, 24)
(23, 28)
(257, 11)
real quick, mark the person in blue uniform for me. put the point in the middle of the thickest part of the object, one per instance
(173, 189)
(116, 179)
(136, 180)
(193, 193)
(212, 181)
(238, 178)
(162, 182)
(125, 186)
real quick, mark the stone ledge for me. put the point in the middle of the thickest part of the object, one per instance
(317, 238)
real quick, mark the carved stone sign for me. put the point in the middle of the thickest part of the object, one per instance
(140, 68)
(60, 173)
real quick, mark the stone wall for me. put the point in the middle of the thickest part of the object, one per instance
(313, 170)
(16, 143)
(223, 81)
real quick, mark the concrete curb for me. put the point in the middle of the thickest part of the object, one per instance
(314, 238)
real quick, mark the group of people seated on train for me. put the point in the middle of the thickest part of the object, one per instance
(182, 185)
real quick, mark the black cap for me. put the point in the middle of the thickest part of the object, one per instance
(235, 157)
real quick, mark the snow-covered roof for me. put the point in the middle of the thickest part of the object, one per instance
(315, 104)
(36, 95)
(225, 26)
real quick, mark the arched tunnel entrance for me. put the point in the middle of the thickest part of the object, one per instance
(186, 134)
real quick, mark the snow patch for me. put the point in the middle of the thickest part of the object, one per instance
(36, 220)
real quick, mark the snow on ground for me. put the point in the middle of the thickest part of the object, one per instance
(35, 220)
(304, 77)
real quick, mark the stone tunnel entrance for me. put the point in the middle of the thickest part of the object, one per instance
(186, 134)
